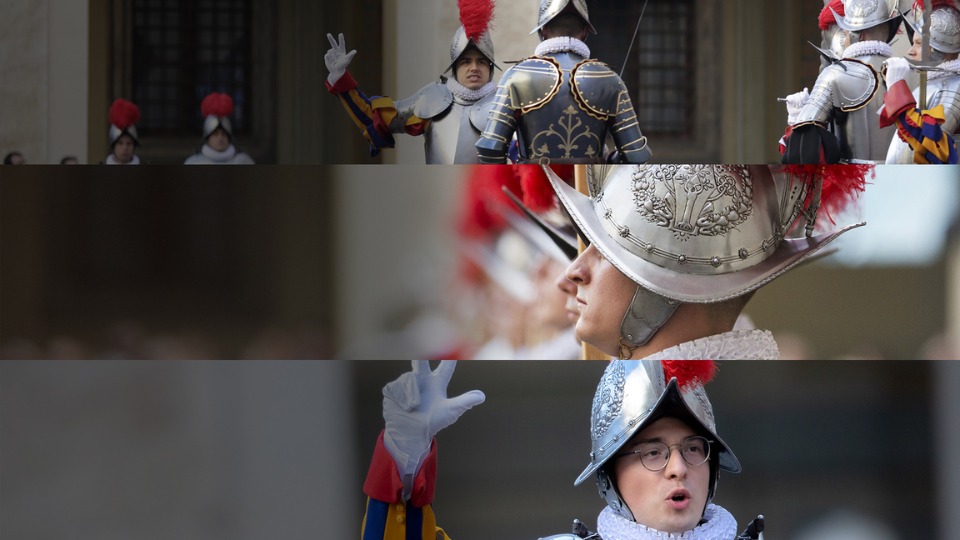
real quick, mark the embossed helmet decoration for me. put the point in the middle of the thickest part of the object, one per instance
(634, 394)
(944, 25)
(549, 9)
(704, 233)
(860, 15)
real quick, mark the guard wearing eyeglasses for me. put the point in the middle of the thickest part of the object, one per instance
(656, 455)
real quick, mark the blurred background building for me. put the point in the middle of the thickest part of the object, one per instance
(704, 75)
(361, 261)
(252, 450)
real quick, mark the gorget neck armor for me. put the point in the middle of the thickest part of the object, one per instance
(218, 156)
(868, 48)
(718, 524)
(562, 44)
(734, 345)
(467, 95)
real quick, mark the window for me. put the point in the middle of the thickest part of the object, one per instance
(182, 51)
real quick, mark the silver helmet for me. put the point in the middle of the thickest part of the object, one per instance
(860, 15)
(551, 8)
(461, 42)
(944, 27)
(632, 395)
(123, 115)
(696, 233)
(216, 109)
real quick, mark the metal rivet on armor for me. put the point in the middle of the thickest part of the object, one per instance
(624, 232)
(743, 253)
(649, 247)
(592, 456)
(681, 259)
(715, 261)
(608, 213)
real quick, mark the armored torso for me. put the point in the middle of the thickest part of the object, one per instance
(455, 123)
(561, 107)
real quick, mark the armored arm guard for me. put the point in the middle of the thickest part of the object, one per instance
(846, 86)
(501, 123)
(601, 93)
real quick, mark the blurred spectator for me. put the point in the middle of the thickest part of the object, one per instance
(14, 158)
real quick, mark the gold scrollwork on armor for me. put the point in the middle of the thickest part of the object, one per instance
(563, 139)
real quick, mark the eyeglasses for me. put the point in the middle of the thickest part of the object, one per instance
(655, 455)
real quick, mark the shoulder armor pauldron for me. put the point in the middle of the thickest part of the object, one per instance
(596, 88)
(480, 111)
(429, 102)
(533, 82)
(855, 86)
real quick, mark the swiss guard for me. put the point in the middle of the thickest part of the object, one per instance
(560, 103)
(449, 114)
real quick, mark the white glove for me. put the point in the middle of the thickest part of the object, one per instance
(795, 103)
(415, 408)
(897, 69)
(337, 59)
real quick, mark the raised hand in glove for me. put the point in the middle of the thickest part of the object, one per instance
(795, 103)
(337, 59)
(416, 408)
(897, 69)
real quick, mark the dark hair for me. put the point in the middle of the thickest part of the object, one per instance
(65, 159)
(8, 159)
(568, 23)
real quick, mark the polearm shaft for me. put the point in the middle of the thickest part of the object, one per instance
(634, 38)
(924, 53)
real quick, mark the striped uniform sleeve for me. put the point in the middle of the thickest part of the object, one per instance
(375, 117)
(922, 130)
(388, 516)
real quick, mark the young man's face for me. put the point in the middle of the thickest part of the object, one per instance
(603, 294)
(673, 499)
(472, 69)
(123, 149)
(218, 140)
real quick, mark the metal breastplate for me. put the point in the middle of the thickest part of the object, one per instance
(454, 127)
(849, 94)
(554, 125)
(941, 91)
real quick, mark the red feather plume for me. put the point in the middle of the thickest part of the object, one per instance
(826, 18)
(689, 372)
(918, 4)
(475, 16)
(123, 113)
(842, 184)
(538, 195)
(216, 104)
(483, 198)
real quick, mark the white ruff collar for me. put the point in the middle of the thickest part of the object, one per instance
(467, 94)
(868, 48)
(111, 160)
(951, 67)
(720, 525)
(750, 344)
(562, 44)
(213, 155)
